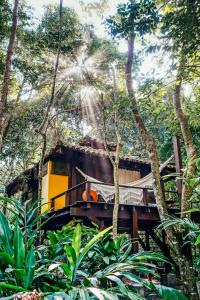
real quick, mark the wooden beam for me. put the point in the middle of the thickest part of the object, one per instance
(178, 163)
(98, 213)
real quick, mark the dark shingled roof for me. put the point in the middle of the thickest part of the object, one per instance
(103, 153)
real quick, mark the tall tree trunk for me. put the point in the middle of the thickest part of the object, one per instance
(6, 74)
(190, 148)
(42, 130)
(145, 135)
(183, 262)
(116, 183)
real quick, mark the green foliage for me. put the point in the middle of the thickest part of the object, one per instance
(5, 17)
(74, 263)
(180, 23)
(133, 18)
(18, 263)
(167, 293)
(18, 249)
(48, 30)
(188, 231)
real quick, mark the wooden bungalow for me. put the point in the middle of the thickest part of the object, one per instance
(64, 183)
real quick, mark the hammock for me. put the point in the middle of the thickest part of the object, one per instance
(127, 195)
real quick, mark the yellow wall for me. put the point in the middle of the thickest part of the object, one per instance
(53, 185)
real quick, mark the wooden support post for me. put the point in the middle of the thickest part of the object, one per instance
(178, 163)
(135, 234)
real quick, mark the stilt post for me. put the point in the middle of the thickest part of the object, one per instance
(135, 234)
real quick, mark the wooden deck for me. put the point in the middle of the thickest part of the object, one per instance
(133, 219)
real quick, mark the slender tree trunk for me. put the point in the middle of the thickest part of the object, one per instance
(6, 74)
(183, 262)
(115, 164)
(116, 203)
(190, 148)
(145, 135)
(115, 160)
(40, 167)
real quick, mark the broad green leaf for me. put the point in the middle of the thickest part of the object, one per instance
(32, 215)
(19, 248)
(102, 295)
(76, 240)
(87, 248)
(106, 259)
(67, 271)
(119, 282)
(53, 239)
(7, 258)
(12, 287)
(71, 255)
(5, 234)
(53, 266)
(20, 273)
(30, 268)
(84, 294)
(168, 293)
(191, 210)
(197, 240)
(91, 243)
(136, 278)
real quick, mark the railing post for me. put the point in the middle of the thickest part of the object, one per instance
(145, 197)
(87, 191)
(52, 204)
(66, 199)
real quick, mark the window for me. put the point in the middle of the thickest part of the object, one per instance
(59, 168)
(127, 176)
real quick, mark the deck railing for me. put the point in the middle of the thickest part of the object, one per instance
(85, 185)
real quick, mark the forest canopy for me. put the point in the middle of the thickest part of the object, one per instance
(165, 32)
